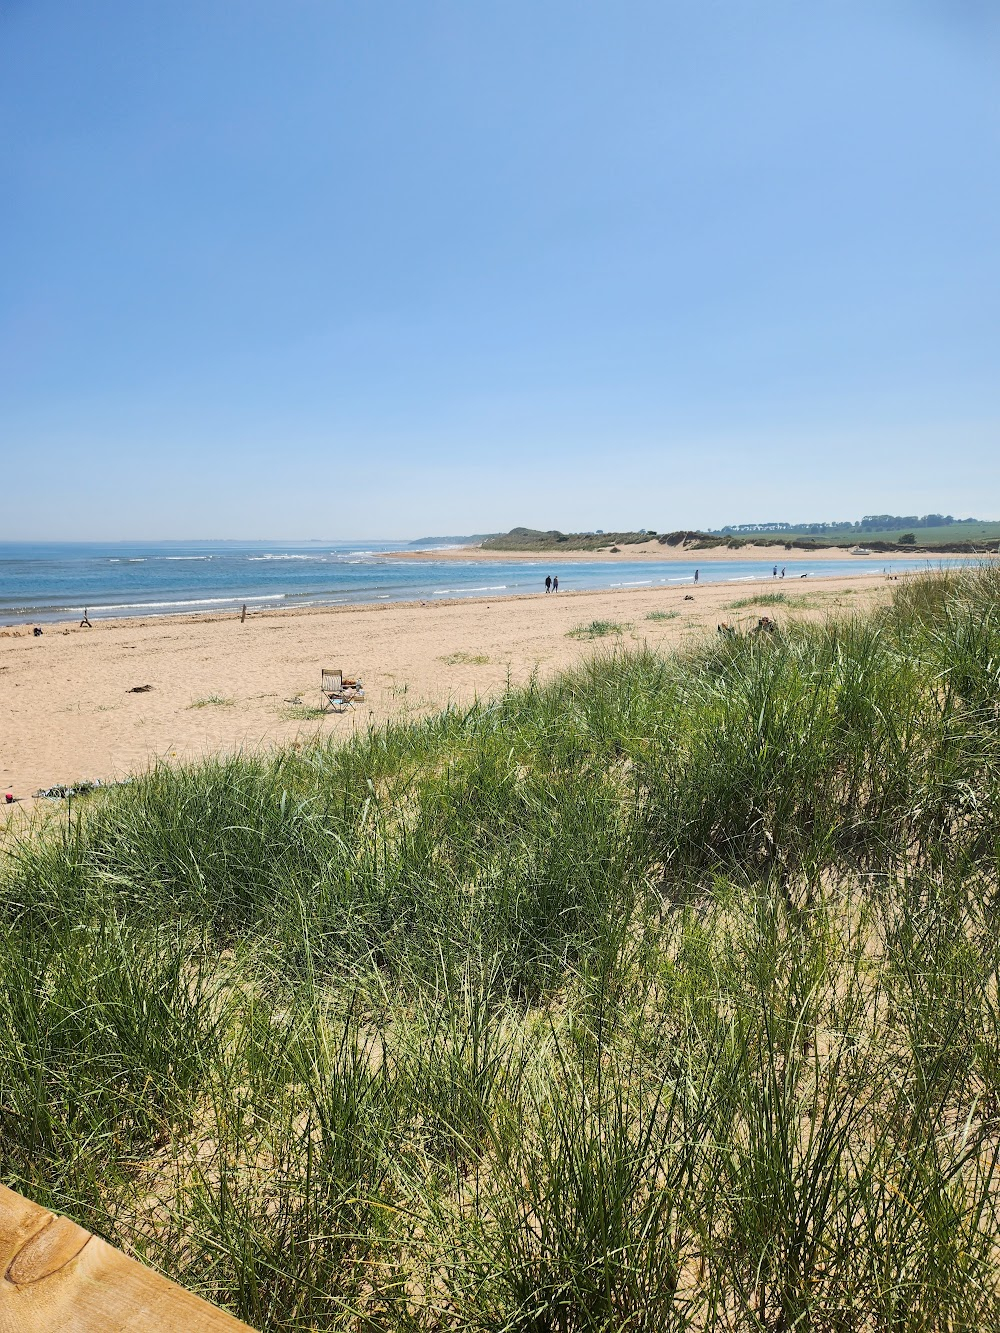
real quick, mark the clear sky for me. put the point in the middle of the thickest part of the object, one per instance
(316, 268)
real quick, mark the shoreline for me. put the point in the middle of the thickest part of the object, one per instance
(71, 709)
(25, 629)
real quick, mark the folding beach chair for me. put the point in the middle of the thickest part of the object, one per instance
(340, 694)
(332, 685)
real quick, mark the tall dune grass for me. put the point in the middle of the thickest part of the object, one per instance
(663, 996)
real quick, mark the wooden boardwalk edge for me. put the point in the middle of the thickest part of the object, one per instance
(58, 1277)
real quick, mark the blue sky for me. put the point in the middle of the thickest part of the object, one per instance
(321, 267)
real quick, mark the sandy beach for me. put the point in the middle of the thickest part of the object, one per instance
(652, 550)
(70, 712)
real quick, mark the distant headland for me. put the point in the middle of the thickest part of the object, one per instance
(930, 534)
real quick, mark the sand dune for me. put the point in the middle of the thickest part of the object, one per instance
(652, 550)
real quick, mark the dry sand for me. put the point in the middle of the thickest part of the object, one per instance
(652, 550)
(68, 712)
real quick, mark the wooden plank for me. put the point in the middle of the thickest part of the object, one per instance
(58, 1277)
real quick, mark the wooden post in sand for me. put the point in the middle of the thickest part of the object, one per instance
(243, 613)
(56, 1277)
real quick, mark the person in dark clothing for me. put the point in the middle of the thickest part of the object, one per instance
(696, 572)
(774, 572)
(555, 584)
(548, 582)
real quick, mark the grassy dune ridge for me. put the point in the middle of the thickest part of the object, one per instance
(663, 996)
(961, 537)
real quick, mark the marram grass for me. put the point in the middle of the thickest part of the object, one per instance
(660, 997)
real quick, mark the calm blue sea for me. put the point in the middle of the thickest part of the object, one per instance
(46, 581)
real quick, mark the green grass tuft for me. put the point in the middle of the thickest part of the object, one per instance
(465, 659)
(303, 712)
(212, 701)
(770, 599)
(597, 629)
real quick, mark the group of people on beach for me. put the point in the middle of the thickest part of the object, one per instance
(552, 584)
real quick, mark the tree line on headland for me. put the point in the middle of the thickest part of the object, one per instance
(870, 523)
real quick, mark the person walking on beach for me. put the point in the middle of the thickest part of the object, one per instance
(548, 582)
(782, 571)
(696, 572)
(774, 572)
(555, 584)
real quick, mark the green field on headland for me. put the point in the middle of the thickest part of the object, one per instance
(950, 537)
(662, 996)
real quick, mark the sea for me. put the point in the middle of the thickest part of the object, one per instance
(52, 581)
